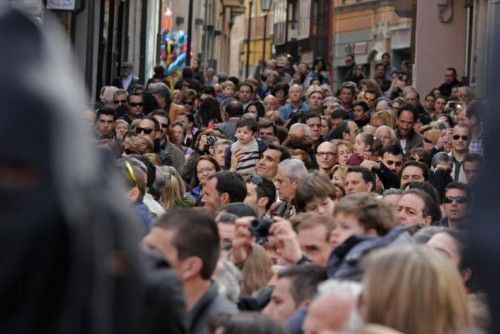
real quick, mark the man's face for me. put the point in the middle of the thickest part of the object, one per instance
(126, 71)
(316, 101)
(295, 93)
(353, 131)
(380, 71)
(105, 125)
(411, 98)
(245, 94)
(321, 206)
(449, 76)
(147, 125)
(315, 125)
(267, 166)
(285, 186)
(348, 60)
(270, 103)
(347, 225)
(429, 102)
(161, 240)
(120, 99)
(411, 173)
(460, 139)
(455, 204)
(393, 162)
(346, 96)
(471, 170)
(266, 131)
(219, 153)
(211, 199)
(135, 105)
(325, 156)
(251, 198)
(282, 305)
(314, 242)
(410, 208)
(405, 123)
(440, 104)
(356, 184)
(386, 60)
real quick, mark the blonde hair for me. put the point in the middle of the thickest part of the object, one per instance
(386, 117)
(173, 188)
(415, 290)
(257, 271)
(138, 144)
(154, 159)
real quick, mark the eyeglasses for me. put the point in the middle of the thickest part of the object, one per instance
(457, 137)
(459, 199)
(133, 104)
(147, 131)
(120, 101)
(325, 154)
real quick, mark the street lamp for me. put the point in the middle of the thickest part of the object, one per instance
(265, 6)
(250, 4)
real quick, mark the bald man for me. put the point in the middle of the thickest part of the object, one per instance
(271, 103)
(325, 157)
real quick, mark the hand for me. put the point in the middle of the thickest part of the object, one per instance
(286, 240)
(370, 164)
(202, 144)
(242, 241)
(235, 158)
(442, 140)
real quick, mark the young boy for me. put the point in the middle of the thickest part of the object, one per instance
(228, 90)
(246, 149)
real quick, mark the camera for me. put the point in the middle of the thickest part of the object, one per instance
(211, 140)
(259, 228)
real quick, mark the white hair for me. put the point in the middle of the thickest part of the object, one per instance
(307, 129)
(293, 168)
(346, 290)
(388, 128)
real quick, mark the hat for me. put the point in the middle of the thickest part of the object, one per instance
(127, 65)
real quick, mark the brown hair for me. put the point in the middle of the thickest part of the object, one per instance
(308, 220)
(415, 290)
(137, 144)
(312, 186)
(257, 271)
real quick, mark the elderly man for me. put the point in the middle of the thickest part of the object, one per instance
(271, 103)
(286, 181)
(127, 80)
(295, 95)
(315, 98)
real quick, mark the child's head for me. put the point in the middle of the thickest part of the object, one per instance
(316, 194)
(361, 214)
(363, 143)
(228, 88)
(246, 129)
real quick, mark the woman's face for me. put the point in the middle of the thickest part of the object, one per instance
(359, 146)
(344, 153)
(252, 110)
(178, 134)
(204, 170)
(325, 126)
(121, 128)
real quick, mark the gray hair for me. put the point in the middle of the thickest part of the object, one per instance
(425, 234)
(392, 191)
(222, 142)
(348, 291)
(159, 88)
(441, 158)
(293, 168)
(307, 130)
(388, 128)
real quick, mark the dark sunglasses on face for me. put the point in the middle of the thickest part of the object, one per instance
(145, 130)
(138, 104)
(163, 125)
(457, 137)
(459, 199)
(120, 101)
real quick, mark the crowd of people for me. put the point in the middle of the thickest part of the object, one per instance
(284, 206)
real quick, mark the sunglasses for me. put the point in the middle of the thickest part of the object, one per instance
(147, 131)
(459, 199)
(133, 104)
(129, 151)
(163, 125)
(457, 137)
(120, 101)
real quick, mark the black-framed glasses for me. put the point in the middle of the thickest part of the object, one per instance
(120, 101)
(459, 199)
(457, 137)
(325, 154)
(136, 104)
(147, 131)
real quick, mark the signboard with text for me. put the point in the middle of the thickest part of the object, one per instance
(61, 4)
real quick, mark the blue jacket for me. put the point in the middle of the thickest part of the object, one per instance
(287, 110)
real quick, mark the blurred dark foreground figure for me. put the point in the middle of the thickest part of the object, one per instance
(70, 259)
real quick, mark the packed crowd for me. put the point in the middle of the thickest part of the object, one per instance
(286, 207)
